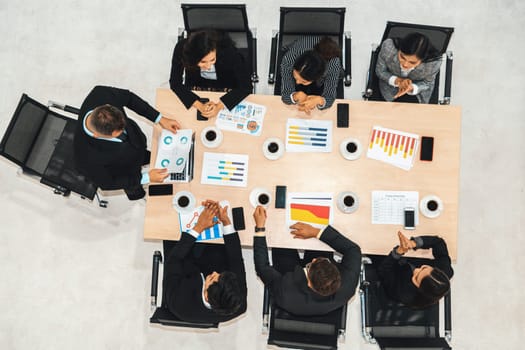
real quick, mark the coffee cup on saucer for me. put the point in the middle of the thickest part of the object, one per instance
(273, 148)
(347, 202)
(211, 137)
(350, 148)
(260, 196)
(183, 201)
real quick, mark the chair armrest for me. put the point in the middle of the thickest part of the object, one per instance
(371, 76)
(364, 297)
(448, 316)
(255, 76)
(348, 59)
(157, 259)
(63, 107)
(342, 329)
(448, 78)
(266, 310)
(273, 58)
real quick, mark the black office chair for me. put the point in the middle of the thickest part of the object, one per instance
(296, 22)
(438, 36)
(162, 315)
(40, 141)
(303, 332)
(394, 326)
(230, 19)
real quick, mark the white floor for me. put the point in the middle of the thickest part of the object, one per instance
(75, 276)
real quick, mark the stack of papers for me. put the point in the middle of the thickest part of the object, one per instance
(394, 147)
(246, 118)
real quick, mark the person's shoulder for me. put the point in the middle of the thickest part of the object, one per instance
(388, 44)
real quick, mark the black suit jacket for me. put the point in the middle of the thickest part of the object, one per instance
(232, 73)
(113, 165)
(291, 292)
(183, 281)
(396, 274)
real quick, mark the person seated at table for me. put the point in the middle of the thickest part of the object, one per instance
(416, 286)
(206, 282)
(110, 148)
(407, 68)
(314, 285)
(310, 72)
(209, 61)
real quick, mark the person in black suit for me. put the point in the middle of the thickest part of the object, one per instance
(314, 285)
(210, 62)
(416, 286)
(206, 282)
(109, 148)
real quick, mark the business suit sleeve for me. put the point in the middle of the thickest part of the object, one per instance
(232, 245)
(241, 75)
(174, 261)
(185, 95)
(428, 71)
(287, 80)
(333, 75)
(440, 251)
(350, 265)
(386, 54)
(387, 271)
(270, 276)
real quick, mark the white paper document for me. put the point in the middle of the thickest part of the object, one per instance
(394, 147)
(313, 208)
(388, 206)
(308, 135)
(173, 150)
(225, 169)
(246, 118)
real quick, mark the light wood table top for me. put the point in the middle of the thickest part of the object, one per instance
(324, 172)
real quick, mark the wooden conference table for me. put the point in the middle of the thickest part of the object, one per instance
(324, 172)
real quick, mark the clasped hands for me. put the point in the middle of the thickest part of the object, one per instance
(212, 213)
(209, 109)
(298, 230)
(404, 86)
(405, 244)
(306, 103)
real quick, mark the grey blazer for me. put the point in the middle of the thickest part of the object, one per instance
(388, 64)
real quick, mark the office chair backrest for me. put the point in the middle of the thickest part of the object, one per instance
(438, 36)
(230, 19)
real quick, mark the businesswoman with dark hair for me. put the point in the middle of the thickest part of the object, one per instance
(417, 286)
(210, 62)
(407, 68)
(310, 71)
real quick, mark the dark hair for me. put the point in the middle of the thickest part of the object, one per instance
(311, 65)
(432, 288)
(417, 44)
(224, 295)
(201, 43)
(106, 118)
(324, 277)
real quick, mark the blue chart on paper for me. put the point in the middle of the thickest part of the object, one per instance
(210, 233)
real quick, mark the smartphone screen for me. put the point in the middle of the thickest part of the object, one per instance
(199, 115)
(427, 148)
(410, 223)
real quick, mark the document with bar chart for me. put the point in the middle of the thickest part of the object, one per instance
(308, 135)
(314, 208)
(225, 169)
(394, 147)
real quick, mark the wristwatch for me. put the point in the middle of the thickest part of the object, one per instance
(260, 229)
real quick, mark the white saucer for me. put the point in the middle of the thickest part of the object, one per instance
(427, 212)
(211, 144)
(344, 152)
(341, 204)
(255, 193)
(273, 156)
(189, 207)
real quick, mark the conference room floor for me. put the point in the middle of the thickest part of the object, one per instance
(78, 276)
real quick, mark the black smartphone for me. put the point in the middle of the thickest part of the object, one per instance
(199, 115)
(342, 115)
(427, 148)
(410, 219)
(160, 190)
(280, 196)
(238, 218)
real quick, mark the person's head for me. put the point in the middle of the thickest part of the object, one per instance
(308, 67)
(324, 277)
(106, 121)
(200, 49)
(414, 49)
(432, 283)
(222, 292)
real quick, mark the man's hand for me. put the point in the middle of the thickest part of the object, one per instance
(169, 124)
(299, 97)
(302, 230)
(259, 215)
(223, 216)
(158, 175)
(405, 244)
(206, 218)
